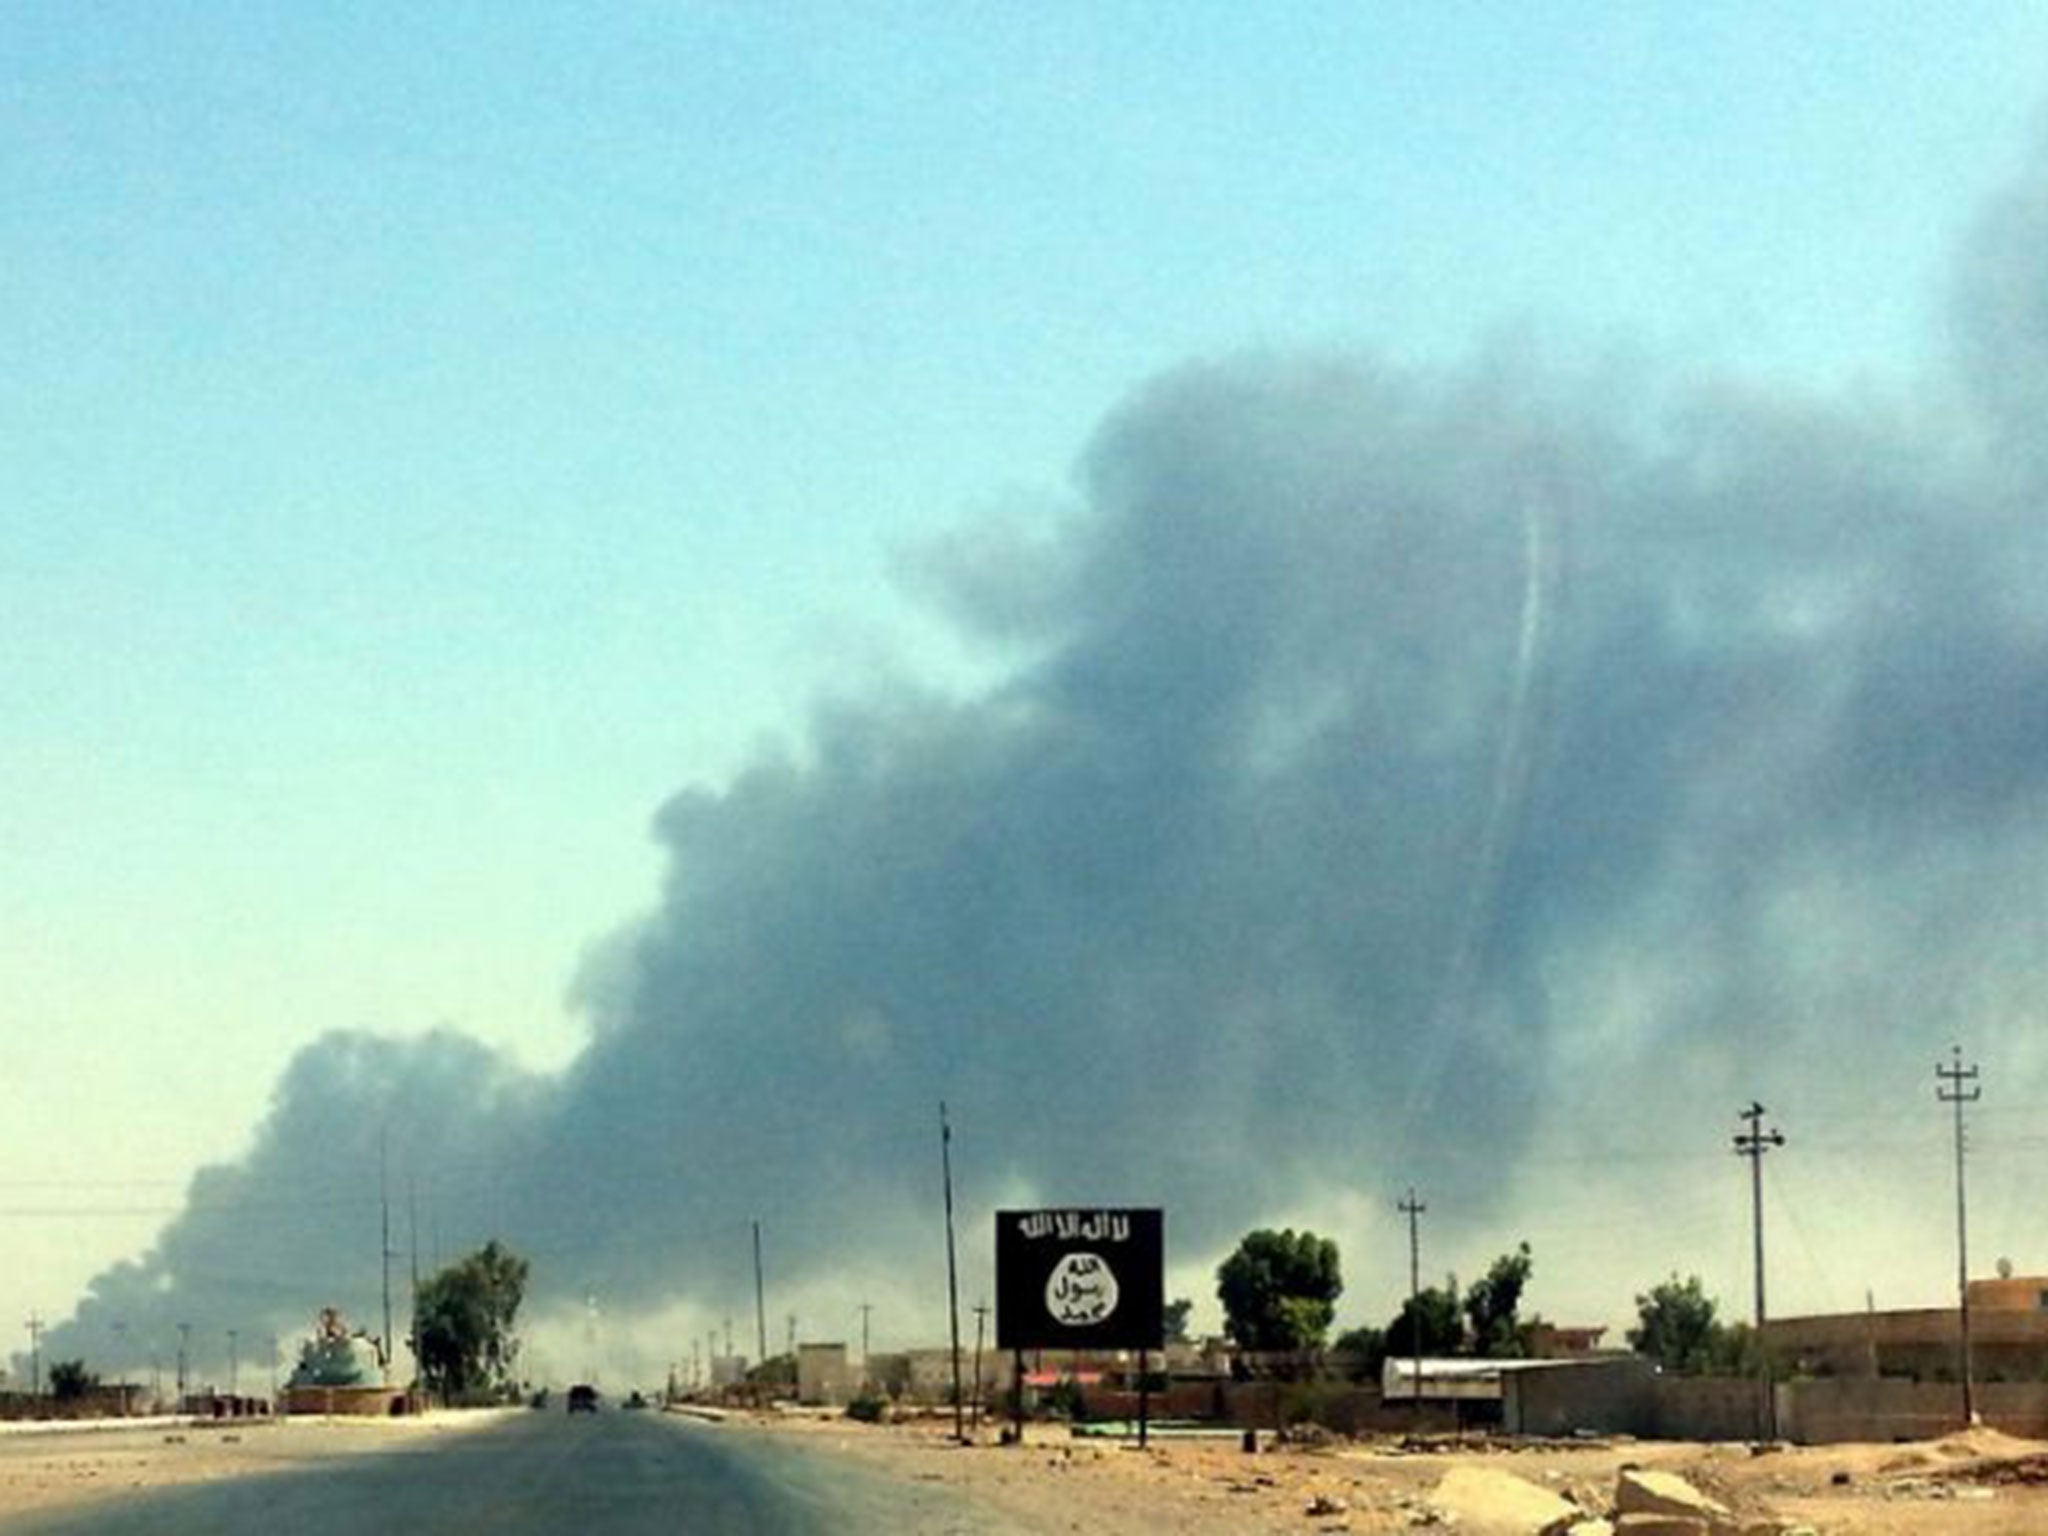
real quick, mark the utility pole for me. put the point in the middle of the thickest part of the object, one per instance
(980, 1321)
(234, 1362)
(1949, 1089)
(184, 1359)
(273, 1371)
(412, 1243)
(1413, 1208)
(760, 1305)
(952, 1269)
(1753, 1144)
(35, 1355)
(384, 1204)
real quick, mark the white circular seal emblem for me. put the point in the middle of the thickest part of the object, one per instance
(1081, 1290)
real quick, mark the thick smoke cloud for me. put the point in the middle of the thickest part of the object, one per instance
(1378, 750)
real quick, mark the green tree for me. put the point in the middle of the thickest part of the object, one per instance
(1736, 1352)
(1279, 1290)
(1365, 1351)
(70, 1381)
(1493, 1306)
(1428, 1323)
(1677, 1328)
(464, 1317)
(1175, 1320)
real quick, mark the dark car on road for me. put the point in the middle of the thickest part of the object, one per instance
(583, 1398)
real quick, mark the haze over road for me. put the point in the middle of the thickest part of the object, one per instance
(606, 1474)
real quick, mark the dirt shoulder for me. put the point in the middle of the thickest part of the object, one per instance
(1975, 1485)
(1979, 1484)
(74, 1465)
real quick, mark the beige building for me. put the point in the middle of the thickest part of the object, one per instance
(2008, 1338)
(825, 1376)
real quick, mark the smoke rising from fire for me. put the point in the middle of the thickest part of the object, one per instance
(1375, 746)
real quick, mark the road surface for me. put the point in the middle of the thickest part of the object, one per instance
(604, 1474)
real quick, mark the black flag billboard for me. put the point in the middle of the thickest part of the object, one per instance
(1080, 1279)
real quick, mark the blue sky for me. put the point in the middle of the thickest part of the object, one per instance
(429, 439)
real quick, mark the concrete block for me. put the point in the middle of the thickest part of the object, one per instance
(1481, 1501)
(1661, 1525)
(1665, 1493)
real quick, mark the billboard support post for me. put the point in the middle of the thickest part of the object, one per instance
(1144, 1395)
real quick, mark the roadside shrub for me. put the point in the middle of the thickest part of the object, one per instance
(867, 1408)
(1328, 1405)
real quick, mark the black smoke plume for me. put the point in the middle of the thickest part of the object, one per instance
(1375, 753)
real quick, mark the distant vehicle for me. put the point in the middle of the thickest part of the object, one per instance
(583, 1398)
(635, 1400)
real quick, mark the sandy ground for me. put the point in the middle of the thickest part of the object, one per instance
(1974, 1484)
(42, 1468)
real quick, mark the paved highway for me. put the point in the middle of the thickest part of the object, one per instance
(604, 1474)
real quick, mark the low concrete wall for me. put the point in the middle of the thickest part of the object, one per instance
(1709, 1408)
(1599, 1397)
(336, 1402)
(1837, 1409)
(1629, 1396)
(1621, 1397)
(1624, 1397)
(1270, 1405)
(1180, 1400)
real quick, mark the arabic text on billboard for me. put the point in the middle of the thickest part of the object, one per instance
(1080, 1279)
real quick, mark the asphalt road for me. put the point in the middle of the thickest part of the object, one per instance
(605, 1474)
